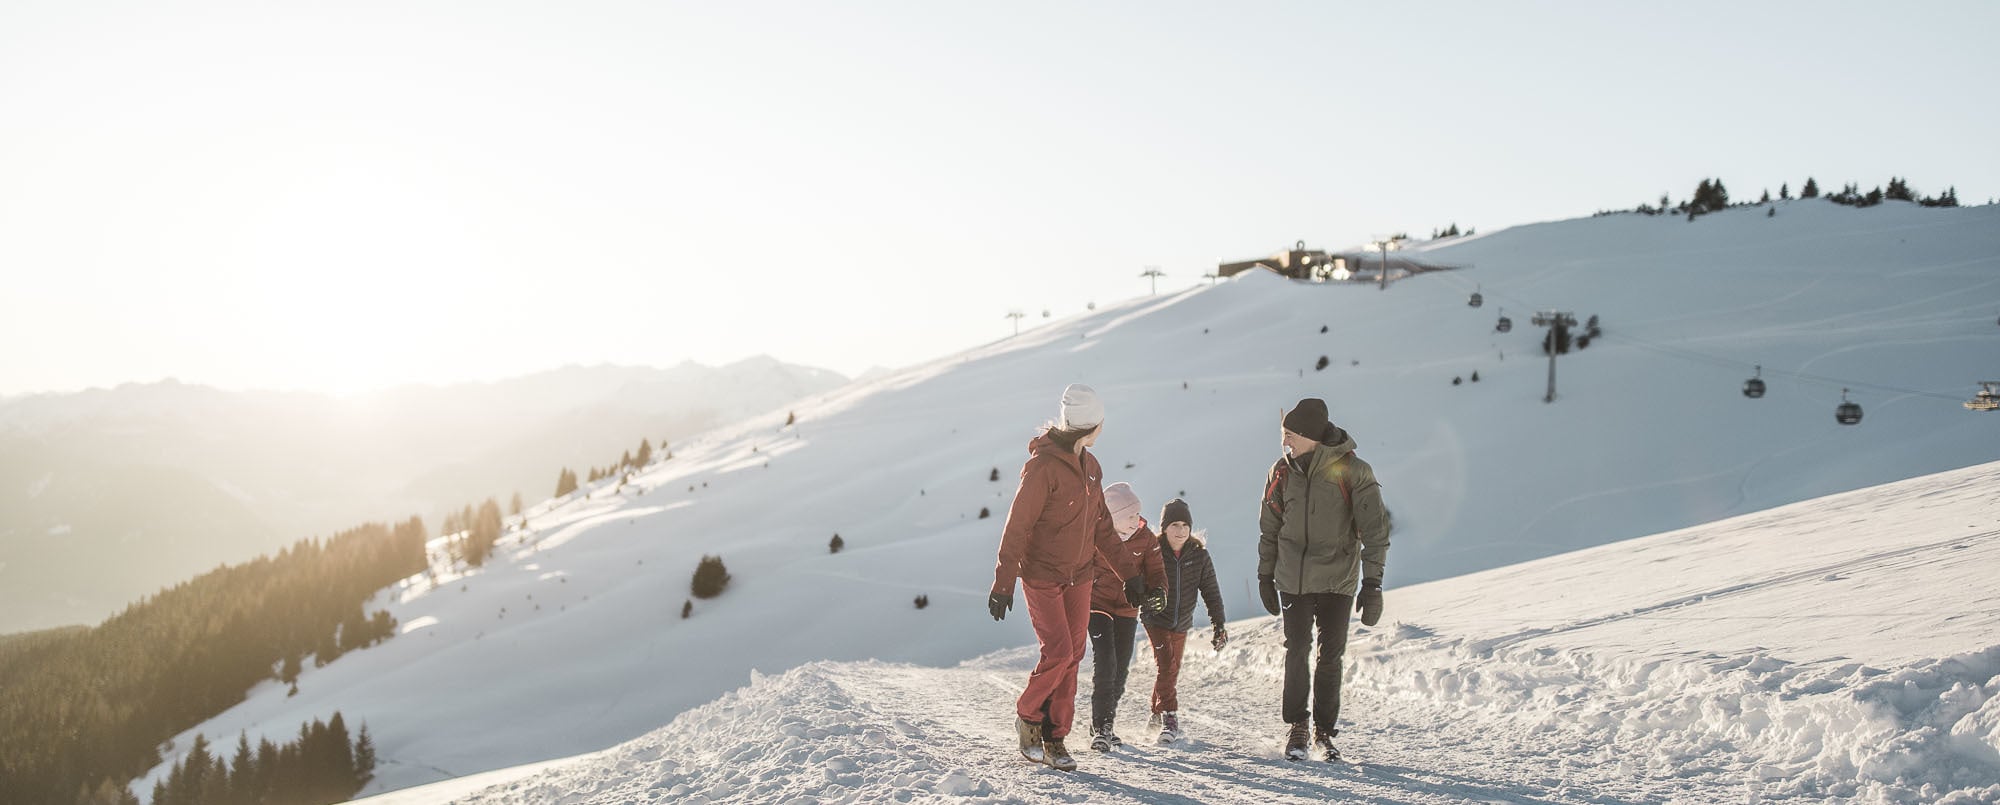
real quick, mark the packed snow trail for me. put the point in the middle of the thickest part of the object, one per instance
(1846, 648)
(854, 732)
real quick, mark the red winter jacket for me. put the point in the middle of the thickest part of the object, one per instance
(1139, 553)
(1058, 521)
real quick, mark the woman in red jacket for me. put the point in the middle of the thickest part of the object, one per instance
(1054, 530)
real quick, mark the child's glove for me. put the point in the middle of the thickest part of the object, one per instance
(1156, 599)
(1267, 590)
(1369, 602)
(1221, 637)
(997, 605)
(1135, 592)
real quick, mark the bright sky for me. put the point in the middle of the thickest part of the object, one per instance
(346, 196)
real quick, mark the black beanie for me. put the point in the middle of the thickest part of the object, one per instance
(1308, 418)
(1176, 511)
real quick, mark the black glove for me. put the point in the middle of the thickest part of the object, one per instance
(1221, 637)
(1135, 592)
(1156, 599)
(998, 604)
(1267, 589)
(1369, 602)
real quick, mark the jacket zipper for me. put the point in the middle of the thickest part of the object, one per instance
(1304, 530)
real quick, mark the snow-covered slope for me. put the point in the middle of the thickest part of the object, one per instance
(571, 641)
(1801, 654)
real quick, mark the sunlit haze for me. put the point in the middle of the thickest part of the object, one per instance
(343, 197)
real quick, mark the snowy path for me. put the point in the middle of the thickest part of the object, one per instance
(872, 731)
(1801, 654)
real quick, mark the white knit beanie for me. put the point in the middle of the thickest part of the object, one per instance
(1122, 501)
(1081, 410)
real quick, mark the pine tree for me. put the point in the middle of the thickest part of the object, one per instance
(710, 577)
(645, 452)
(514, 505)
(364, 757)
(995, 475)
(984, 513)
(1899, 190)
(1784, 192)
(687, 608)
(566, 482)
(341, 773)
(1766, 199)
(791, 418)
(834, 545)
(1811, 190)
(196, 769)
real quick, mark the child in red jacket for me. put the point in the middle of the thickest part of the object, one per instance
(1124, 577)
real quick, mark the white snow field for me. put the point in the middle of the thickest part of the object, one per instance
(570, 641)
(1803, 654)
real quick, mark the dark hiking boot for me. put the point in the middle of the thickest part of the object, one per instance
(1058, 755)
(1170, 728)
(1100, 740)
(1031, 740)
(1323, 741)
(1295, 742)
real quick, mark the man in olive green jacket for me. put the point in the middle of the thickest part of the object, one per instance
(1323, 532)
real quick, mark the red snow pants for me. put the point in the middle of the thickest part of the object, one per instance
(1167, 647)
(1060, 614)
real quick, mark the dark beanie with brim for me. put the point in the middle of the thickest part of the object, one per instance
(1308, 419)
(1176, 511)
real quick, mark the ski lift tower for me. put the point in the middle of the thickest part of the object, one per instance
(1559, 323)
(1386, 245)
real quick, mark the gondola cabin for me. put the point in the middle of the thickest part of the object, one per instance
(1847, 413)
(1754, 387)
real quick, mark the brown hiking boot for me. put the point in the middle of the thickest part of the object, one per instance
(1031, 740)
(1295, 743)
(1323, 741)
(1058, 755)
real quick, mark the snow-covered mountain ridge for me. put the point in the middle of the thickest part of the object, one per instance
(571, 640)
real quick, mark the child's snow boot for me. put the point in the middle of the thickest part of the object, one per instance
(1100, 739)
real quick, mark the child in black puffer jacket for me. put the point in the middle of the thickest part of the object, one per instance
(1190, 572)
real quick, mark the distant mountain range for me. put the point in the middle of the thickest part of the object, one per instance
(109, 494)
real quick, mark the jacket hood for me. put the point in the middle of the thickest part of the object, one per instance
(1044, 446)
(1336, 444)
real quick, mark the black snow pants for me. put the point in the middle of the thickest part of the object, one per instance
(1300, 613)
(1111, 640)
